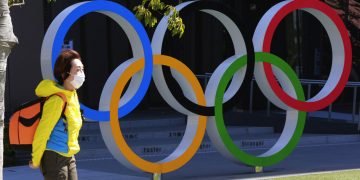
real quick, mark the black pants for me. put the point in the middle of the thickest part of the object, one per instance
(57, 167)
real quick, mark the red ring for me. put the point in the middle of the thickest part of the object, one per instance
(288, 100)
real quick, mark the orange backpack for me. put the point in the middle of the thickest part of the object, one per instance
(24, 121)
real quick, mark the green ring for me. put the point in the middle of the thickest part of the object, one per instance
(224, 135)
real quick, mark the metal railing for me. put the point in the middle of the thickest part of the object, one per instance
(309, 83)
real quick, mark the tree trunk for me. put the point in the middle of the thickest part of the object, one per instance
(7, 41)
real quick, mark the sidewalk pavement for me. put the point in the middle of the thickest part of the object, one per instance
(211, 165)
(24, 172)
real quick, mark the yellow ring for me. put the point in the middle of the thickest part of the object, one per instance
(130, 155)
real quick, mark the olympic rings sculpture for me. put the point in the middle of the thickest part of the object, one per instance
(204, 110)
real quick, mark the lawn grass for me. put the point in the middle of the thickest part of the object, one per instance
(338, 175)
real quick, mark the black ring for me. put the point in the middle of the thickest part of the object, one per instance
(179, 96)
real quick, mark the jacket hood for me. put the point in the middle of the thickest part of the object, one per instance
(48, 87)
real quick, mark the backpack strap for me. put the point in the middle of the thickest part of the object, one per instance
(63, 97)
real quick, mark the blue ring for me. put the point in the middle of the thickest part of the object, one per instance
(93, 6)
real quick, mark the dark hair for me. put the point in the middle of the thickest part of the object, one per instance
(63, 64)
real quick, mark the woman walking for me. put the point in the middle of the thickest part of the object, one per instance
(56, 138)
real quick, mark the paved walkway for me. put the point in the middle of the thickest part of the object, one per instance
(213, 166)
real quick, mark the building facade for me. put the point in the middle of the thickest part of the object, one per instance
(300, 39)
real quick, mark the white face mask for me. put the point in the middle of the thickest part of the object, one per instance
(78, 81)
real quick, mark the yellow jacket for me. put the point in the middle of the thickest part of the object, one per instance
(52, 110)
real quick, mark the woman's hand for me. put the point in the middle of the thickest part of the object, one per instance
(31, 165)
